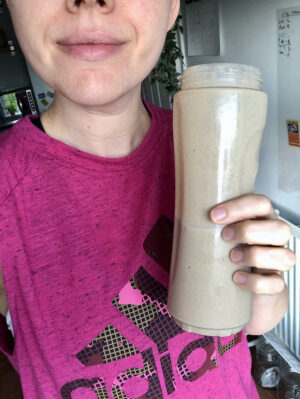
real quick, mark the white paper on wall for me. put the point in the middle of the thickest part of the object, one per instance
(202, 24)
(288, 28)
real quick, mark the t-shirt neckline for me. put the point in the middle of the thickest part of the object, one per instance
(47, 146)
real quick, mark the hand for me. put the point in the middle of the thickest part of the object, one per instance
(251, 223)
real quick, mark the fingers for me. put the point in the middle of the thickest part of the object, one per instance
(243, 208)
(270, 258)
(259, 232)
(251, 220)
(270, 284)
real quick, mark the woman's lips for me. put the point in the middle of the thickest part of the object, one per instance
(90, 46)
(91, 51)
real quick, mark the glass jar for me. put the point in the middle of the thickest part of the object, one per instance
(268, 366)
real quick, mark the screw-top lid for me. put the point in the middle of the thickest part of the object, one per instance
(221, 75)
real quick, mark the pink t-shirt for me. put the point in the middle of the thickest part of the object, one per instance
(85, 246)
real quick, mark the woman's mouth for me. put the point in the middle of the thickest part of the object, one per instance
(90, 47)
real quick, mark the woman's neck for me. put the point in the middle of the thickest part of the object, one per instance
(110, 131)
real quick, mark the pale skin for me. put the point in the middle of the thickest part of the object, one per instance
(98, 109)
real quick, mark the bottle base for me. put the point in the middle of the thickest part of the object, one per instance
(208, 331)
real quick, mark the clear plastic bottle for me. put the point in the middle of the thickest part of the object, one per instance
(219, 116)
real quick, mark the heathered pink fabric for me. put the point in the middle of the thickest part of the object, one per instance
(85, 249)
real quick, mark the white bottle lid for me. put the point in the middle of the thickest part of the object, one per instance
(221, 75)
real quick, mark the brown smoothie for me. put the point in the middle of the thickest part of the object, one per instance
(217, 135)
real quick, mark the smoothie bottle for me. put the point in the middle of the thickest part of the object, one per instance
(219, 117)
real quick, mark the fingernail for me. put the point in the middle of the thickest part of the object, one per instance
(218, 214)
(237, 255)
(240, 278)
(228, 233)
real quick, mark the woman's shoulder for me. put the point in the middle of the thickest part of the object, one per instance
(11, 139)
(15, 157)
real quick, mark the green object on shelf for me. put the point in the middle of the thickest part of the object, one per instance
(10, 105)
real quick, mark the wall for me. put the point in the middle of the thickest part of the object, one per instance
(249, 35)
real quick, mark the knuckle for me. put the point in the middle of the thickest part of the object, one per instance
(259, 285)
(290, 259)
(293, 258)
(240, 205)
(285, 229)
(245, 230)
(279, 284)
(256, 282)
(255, 255)
(268, 285)
(266, 204)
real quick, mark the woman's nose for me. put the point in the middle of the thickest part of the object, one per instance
(105, 5)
